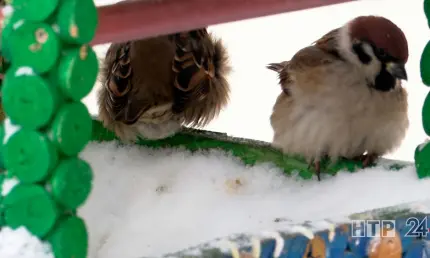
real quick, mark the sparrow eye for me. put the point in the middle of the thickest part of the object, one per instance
(382, 54)
(356, 42)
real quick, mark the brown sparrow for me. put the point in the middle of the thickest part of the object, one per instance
(342, 96)
(152, 87)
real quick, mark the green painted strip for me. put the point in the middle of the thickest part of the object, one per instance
(251, 152)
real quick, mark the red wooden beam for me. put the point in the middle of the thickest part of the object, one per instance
(146, 18)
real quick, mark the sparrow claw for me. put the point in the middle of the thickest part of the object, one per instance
(366, 159)
(317, 166)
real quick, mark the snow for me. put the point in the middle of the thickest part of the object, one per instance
(149, 202)
(20, 243)
(9, 129)
(8, 185)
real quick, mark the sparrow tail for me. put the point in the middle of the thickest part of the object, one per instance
(277, 67)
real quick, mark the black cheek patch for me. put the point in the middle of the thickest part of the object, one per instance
(384, 81)
(362, 55)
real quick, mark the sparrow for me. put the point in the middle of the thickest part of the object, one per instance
(342, 96)
(153, 87)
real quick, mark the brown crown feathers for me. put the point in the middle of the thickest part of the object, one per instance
(383, 33)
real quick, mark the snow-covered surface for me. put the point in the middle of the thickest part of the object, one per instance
(150, 202)
(20, 243)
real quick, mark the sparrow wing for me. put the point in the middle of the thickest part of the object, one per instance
(310, 58)
(305, 66)
(198, 66)
(323, 51)
(119, 99)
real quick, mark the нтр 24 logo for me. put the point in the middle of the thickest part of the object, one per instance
(418, 228)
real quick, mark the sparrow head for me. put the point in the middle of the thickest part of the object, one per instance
(377, 46)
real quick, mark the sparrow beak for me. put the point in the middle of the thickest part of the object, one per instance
(397, 70)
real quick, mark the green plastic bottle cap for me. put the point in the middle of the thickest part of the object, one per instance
(427, 10)
(77, 21)
(30, 206)
(78, 71)
(72, 127)
(4, 65)
(426, 114)
(422, 160)
(28, 99)
(2, 113)
(425, 65)
(29, 156)
(2, 221)
(35, 45)
(7, 28)
(34, 10)
(70, 238)
(2, 177)
(71, 182)
(2, 134)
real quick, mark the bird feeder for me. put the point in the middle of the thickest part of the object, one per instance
(49, 66)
